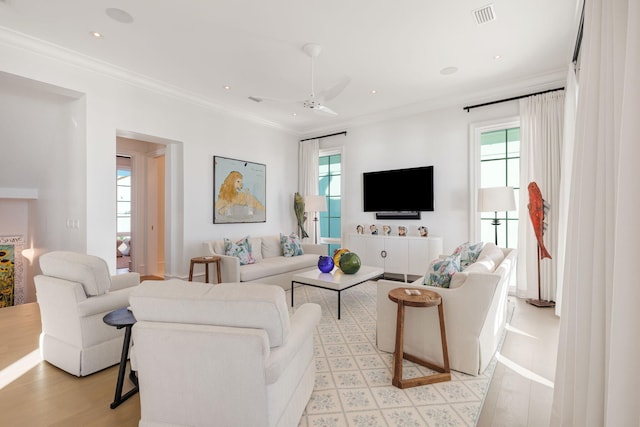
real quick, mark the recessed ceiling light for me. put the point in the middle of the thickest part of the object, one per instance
(295, 114)
(448, 70)
(373, 91)
(96, 34)
(497, 57)
(226, 87)
(119, 15)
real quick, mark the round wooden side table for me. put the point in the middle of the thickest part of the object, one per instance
(206, 260)
(425, 298)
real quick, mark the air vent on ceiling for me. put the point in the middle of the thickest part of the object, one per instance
(254, 99)
(484, 14)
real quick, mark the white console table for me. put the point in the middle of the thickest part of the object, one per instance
(396, 254)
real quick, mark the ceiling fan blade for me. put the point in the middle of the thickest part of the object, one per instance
(335, 89)
(326, 110)
(259, 99)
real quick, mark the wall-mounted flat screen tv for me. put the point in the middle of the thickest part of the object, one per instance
(398, 190)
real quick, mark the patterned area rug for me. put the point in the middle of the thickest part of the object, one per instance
(353, 380)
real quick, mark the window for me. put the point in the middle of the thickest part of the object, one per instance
(500, 167)
(329, 185)
(123, 197)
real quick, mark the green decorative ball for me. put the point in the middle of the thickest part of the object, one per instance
(350, 263)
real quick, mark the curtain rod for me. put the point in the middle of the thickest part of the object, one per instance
(324, 136)
(576, 50)
(469, 107)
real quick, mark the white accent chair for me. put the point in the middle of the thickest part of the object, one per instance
(221, 355)
(74, 293)
(475, 313)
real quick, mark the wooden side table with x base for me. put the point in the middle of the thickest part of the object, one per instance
(425, 298)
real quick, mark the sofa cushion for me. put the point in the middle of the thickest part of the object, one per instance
(90, 271)
(240, 249)
(257, 306)
(441, 271)
(468, 253)
(277, 265)
(291, 245)
(271, 246)
(490, 257)
(256, 248)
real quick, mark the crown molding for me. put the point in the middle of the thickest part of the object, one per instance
(17, 40)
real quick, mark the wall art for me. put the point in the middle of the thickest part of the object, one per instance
(239, 191)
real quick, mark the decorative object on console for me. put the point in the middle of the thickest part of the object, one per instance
(424, 231)
(239, 191)
(337, 254)
(359, 229)
(386, 230)
(350, 263)
(538, 208)
(374, 229)
(496, 199)
(402, 230)
(325, 264)
(316, 204)
(298, 208)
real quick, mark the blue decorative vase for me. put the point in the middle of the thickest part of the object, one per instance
(325, 264)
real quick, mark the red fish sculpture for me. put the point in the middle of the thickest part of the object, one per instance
(537, 207)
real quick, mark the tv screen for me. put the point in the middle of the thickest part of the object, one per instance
(398, 190)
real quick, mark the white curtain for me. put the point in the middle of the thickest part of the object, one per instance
(541, 132)
(308, 154)
(597, 373)
(570, 105)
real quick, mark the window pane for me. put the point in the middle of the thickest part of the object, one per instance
(334, 207)
(124, 193)
(123, 225)
(493, 173)
(334, 186)
(334, 227)
(123, 208)
(513, 173)
(335, 164)
(323, 185)
(493, 151)
(124, 179)
(512, 229)
(323, 166)
(513, 134)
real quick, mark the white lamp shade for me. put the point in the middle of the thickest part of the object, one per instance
(496, 199)
(315, 204)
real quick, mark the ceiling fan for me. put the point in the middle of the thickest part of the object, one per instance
(315, 101)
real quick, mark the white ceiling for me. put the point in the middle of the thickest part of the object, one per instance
(397, 48)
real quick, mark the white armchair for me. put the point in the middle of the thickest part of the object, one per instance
(221, 355)
(74, 293)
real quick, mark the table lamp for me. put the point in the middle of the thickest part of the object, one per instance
(315, 204)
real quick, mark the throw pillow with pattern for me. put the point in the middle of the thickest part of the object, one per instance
(240, 249)
(291, 245)
(441, 271)
(468, 253)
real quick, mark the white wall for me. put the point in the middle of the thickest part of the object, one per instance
(198, 132)
(439, 138)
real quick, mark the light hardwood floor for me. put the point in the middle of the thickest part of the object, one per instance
(46, 396)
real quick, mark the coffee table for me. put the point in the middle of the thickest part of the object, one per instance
(336, 280)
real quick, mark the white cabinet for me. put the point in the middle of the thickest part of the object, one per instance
(395, 254)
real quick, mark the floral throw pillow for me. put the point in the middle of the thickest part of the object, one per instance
(468, 253)
(240, 249)
(291, 245)
(441, 271)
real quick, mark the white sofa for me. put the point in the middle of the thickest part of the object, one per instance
(475, 314)
(74, 293)
(221, 355)
(271, 266)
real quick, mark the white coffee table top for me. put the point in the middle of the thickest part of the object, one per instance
(337, 280)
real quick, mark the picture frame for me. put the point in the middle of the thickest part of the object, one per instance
(239, 191)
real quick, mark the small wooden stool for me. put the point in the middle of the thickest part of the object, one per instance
(206, 260)
(426, 298)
